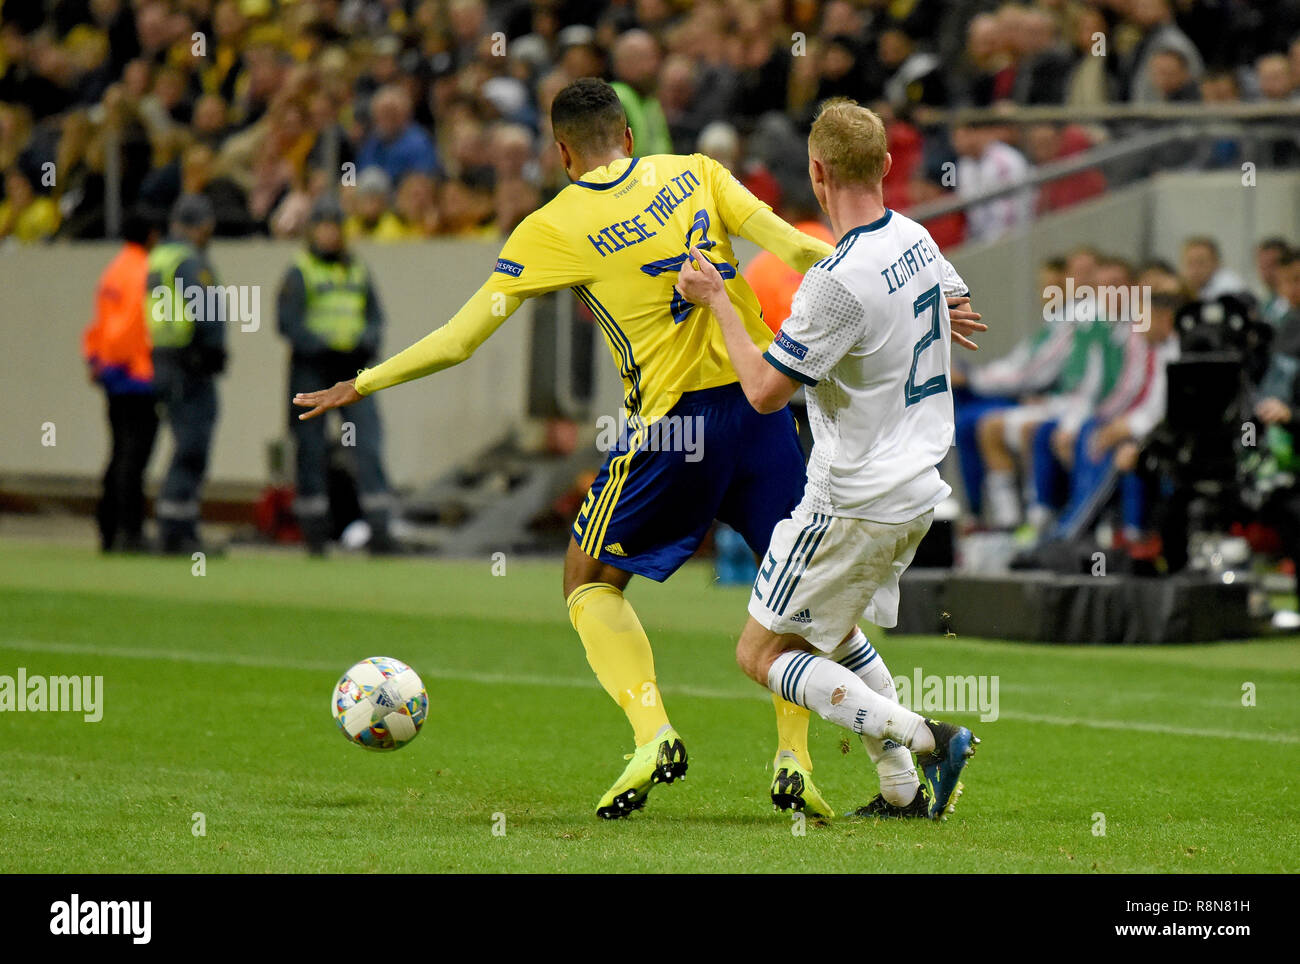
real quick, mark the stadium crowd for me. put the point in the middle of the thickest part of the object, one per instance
(432, 114)
(1051, 438)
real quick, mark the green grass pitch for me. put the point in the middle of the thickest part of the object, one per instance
(217, 702)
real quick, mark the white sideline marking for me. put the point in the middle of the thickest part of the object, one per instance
(506, 679)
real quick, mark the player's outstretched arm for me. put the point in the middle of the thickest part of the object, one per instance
(801, 251)
(449, 345)
(798, 250)
(767, 389)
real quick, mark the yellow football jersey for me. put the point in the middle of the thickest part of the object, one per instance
(617, 238)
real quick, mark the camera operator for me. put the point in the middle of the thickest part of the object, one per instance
(1204, 460)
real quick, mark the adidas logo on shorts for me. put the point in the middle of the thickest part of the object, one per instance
(803, 616)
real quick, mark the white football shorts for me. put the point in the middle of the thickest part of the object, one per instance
(823, 573)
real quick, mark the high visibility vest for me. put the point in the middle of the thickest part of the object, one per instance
(336, 300)
(650, 133)
(164, 303)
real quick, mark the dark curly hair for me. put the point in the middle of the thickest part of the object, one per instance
(588, 116)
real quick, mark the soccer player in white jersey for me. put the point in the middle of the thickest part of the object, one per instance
(869, 335)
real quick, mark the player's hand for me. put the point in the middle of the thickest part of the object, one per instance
(343, 393)
(965, 321)
(698, 280)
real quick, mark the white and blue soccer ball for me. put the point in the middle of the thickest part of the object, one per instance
(380, 703)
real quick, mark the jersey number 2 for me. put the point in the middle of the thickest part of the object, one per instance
(936, 384)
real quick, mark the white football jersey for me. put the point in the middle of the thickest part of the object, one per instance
(870, 336)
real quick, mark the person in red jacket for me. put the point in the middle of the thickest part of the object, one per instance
(1053, 142)
(116, 347)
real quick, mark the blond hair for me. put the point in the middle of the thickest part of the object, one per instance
(849, 140)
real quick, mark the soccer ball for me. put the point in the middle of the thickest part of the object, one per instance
(380, 703)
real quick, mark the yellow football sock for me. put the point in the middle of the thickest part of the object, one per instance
(619, 652)
(792, 730)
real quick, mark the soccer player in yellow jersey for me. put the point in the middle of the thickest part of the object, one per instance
(617, 236)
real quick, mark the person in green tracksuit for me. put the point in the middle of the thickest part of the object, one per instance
(189, 351)
(331, 316)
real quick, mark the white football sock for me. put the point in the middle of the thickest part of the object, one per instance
(894, 766)
(1002, 500)
(838, 696)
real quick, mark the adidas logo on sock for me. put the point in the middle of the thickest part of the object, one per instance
(803, 616)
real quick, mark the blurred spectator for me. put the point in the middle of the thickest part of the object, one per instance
(1202, 271)
(758, 78)
(912, 77)
(948, 230)
(396, 144)
(1268, 258)
(200, 173)
(985, 162)
(288, 93)
(209, 122)
(636, 73)
(25, 215)
(721, 142)
(1170, 78)
(416, 205)
(907, 148)
(514, 200)
(985, 57)
(1043, 63)
(371, 217)
(466, 209)
(1273, 77)
(1054, 142)
(578, 54)
(1158, 32)
(511, 148)
(1090, 81)
(841, 70)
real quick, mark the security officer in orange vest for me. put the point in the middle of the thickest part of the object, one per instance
(116, 347)
(331, 316)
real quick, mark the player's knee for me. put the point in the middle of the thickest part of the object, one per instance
(754, 658)
(744, 658)
(576, 573)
